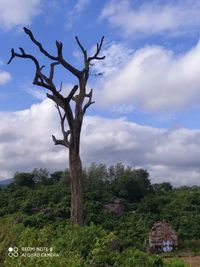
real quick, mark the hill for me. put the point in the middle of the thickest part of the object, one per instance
(36, 215)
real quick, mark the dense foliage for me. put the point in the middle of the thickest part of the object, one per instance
(35, 211)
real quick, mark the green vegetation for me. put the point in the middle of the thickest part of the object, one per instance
(35, 213)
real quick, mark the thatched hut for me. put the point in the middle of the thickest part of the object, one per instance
(162, 237)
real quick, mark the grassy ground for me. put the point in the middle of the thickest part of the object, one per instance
(193, 261)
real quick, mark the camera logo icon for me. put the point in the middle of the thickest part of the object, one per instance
(13, 252)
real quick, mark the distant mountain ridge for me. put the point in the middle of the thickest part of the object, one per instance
(6, 182)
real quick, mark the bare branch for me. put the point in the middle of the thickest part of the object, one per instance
(42, 84)
(71, 94)
(82, 49)
(51, 97)
(98, 49)
(59, 142)
(60, 87)
(62, 117)
(62, 120)
(52, 70)
(12, 56)
(59, 46)
(65, 133)
(65, 105)
(70, 68)
(87, 105)
(59, 58)
(41, 68)
(30, 34)
(40, 79)
(90, 102)
(57, 98)
(24, 55)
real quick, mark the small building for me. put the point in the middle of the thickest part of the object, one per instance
(162, 237)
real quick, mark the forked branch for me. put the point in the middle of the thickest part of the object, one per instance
(23, 55)
(90, 102)
(66, 134)
(96, 56)
(59, 56)
(98, 49)
(30, 34)
(82, 49)
(40, 78)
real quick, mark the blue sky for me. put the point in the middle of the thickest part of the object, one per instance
(147, 111)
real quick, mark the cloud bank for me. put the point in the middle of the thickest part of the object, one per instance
(169, 155)
(151, 78)
(20, 12)
(75, 12)
(153, 17)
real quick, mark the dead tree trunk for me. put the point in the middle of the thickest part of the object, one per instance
(77, 207)
(72, 118)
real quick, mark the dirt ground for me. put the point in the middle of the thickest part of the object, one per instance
(193, 261)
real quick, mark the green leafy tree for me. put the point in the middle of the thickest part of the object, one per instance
(133, 185)
(162, 187)
(24, 179)
(40, 176)
(56, 176)
(95, 177)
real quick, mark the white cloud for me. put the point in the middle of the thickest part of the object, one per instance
(153, 79)
(169, 155)
(153, 17)
(40, 95)
(116, 56)
(80, 5)
(74, 13)
(123, 109)
(20, 12)
(4, 77)
(25, 138)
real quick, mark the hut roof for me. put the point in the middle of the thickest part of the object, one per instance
(162, 232)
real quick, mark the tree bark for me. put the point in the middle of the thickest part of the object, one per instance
(77, 202)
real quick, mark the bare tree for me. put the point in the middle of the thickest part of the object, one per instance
(73, 118)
